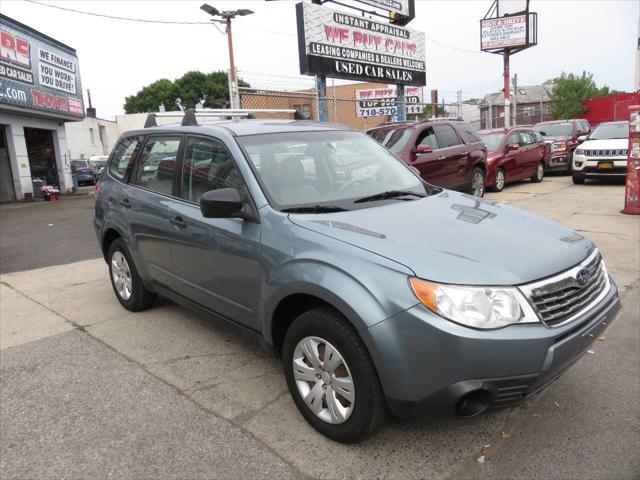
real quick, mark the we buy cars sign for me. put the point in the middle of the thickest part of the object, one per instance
(371, 102)
(340, 45)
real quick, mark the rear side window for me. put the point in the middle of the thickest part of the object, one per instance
(121, 161)
(157, 164)
(446, 135)
(208, 166)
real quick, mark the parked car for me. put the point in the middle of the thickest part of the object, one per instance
(380, 292)
(514, 154)
(98, 162)
(83, 171)
(603, 154)
(447, 153)
(561, 137)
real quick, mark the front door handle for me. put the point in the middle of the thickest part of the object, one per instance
(178, 222)
(442, 157)
(126, 203)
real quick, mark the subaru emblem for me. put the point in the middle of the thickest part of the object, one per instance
(582, 277)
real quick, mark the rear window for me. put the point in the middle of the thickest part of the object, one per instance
(492, 140)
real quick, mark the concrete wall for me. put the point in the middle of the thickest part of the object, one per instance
(15, 124)
(82, 144)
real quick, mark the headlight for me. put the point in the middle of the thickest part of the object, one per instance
(558, 147)
(579, 151)
(476, 307)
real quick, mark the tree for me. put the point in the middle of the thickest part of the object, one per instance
(210, 89)
(568, 93)
(426, 111)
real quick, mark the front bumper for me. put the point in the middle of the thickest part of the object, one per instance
(426, 363)
(586, 168)
(558, 161)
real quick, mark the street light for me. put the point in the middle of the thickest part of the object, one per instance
(225, 18)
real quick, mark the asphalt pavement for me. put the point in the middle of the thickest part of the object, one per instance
(89, 390)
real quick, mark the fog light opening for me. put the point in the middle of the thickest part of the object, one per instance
(473, 403)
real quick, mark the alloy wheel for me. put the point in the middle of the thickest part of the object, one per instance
(121, 274)
(540, 171)
(323, 380)
(499, 180)
(477, 184)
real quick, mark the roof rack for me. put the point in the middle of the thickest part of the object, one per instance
(189, 116)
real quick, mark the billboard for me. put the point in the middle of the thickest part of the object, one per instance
(405, 8)
(508, 32)
(38, 74)
(341, 45)
(372, 102)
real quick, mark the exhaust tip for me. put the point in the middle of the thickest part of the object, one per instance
(473, 403)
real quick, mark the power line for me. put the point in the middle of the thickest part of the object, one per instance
(113, 17)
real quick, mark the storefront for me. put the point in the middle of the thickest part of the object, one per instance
(40, 90)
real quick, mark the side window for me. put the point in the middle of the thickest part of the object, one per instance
(447, 137)
(514, 138)
(121, 160)
(157, 164)
(428, 137)
(207, 166)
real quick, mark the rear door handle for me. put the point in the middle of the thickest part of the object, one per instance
(442, 157)
(126, 203)
(178, 222)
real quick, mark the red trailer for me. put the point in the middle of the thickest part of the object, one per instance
(609, 107)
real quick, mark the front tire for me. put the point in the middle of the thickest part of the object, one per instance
(125, 280)
(539, 175)
(498, 181)
(476, 183)
(331, 377)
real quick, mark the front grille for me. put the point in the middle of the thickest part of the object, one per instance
(616, 152)
(561, 298)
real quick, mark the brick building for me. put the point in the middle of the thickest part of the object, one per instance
(532, 105)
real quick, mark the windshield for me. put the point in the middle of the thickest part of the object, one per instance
(564, 129)
(394, 139)
(326, 168)
(491, 140)
(607, 131)
(98, 163)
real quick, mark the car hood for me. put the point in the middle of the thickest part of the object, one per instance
(612, 143)
(457, 238)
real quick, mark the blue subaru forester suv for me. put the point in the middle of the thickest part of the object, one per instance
(381, 293)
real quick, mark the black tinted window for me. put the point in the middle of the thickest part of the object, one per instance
(157, 164)
(122, 156)
(446, 135)
(207, 166)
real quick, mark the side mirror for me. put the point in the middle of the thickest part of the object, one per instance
(221, 203)
(582, 138)
(513, 147)
(424, 149)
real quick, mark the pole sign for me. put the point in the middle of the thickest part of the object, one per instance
(632, 187)
(373, 102)
(339, 45)
(38, 74)
(510, 32)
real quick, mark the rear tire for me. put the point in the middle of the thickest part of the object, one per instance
(539, 175)
(125, 280)
(498, 180)
(476, 183)
(357, 419)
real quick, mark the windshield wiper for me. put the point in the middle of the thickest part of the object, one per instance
(314, 209)
(388, 194)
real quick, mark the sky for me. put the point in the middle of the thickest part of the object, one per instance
(117, 58)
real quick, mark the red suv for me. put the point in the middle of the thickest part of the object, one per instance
(447, 153)
(562, 138)
(514, 154)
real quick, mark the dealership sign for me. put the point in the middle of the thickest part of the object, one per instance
(405, 8)
(508, 32)
(372, 102)
(37, 73)
(341, 45)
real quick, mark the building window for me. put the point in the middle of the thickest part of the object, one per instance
(92, 136)
(305, 110)
(529, 111)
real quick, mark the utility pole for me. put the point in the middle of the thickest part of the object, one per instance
(459, 103)
(434, 103)
(507, 87)
(515, 99)
(226, 16)
(402, 112)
